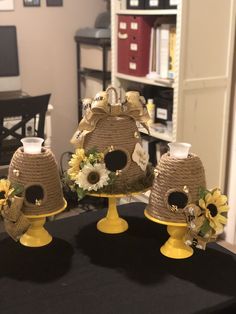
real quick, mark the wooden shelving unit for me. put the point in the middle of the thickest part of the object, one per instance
(204, 53)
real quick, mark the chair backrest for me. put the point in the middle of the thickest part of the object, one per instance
(15, 116)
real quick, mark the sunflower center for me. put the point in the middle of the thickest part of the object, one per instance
(93, 177)
(213, 210)
(2, 195)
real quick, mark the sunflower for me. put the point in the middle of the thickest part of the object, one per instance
(5, 191)
(215, 205)
(93, 177)
(75, 163)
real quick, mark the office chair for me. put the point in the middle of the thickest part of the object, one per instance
(17, 117)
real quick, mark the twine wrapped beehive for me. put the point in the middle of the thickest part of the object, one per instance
(117, 133)
(112, 130)
(39, 175)
(176, 184)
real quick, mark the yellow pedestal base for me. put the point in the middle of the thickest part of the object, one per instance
(112, 223)
(37, 235)
(174, 246)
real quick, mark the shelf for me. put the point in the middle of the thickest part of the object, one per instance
(165, 136)
(145, 80)
(97, 74)
(147, 12)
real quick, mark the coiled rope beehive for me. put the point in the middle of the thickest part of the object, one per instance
(38, 174)
(176, 184)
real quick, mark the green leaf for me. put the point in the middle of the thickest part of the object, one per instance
(203, 192)
(80, 193)
(18, 189)
(92, 151)
(204, 228)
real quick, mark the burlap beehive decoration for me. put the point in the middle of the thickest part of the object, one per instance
(176, 184)
(112, 129)
(39, 175)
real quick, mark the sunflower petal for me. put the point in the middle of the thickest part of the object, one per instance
(202, 203)
(209, 198)
(221, 200)
(222, 219)
(216, 194)
(217, 226)
(223, 208)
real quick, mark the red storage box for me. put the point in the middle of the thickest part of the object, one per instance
(123, 43)
(133, 44)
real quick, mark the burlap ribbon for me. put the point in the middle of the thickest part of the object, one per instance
(99, 108)
(15, 222)
(195, 221)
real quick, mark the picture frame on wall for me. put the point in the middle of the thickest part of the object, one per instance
(54, 3)
(31, 3)
(6, 5)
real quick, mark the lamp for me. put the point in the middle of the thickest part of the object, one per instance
(35, 168)
(178, 177)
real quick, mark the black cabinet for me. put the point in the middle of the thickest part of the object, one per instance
(104, 75)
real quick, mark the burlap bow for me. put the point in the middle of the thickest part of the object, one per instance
(195, 222)
(15, 222)
(99, 108)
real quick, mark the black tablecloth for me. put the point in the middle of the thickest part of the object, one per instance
(85, 271)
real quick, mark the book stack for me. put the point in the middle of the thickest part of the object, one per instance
(162, 51)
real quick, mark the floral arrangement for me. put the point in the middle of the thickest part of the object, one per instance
(88, 173)
(11, 202)
(207, 218)
(8, 191)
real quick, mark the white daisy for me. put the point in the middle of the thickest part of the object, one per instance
(93, 177)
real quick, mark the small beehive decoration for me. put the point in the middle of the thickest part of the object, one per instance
(112, 130)
(176, 184)
(38, 174)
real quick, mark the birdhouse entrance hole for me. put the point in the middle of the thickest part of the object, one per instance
(116, 160)
(178, 199)
(34, 193)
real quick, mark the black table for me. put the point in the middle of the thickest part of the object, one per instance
(85, 271)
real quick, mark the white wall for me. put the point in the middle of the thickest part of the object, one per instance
(47, 54)
(230, 230)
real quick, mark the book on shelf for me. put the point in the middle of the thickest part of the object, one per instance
(152, 50)
(172, 45)
(162, 52)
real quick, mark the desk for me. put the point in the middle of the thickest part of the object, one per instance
(13, 95)
(85, 271)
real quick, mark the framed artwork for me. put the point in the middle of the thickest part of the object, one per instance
(31, 3)
(54, 3)
(6, 5)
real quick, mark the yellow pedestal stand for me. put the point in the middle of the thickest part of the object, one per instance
(112, 223)
(174, 246)
(37, 235)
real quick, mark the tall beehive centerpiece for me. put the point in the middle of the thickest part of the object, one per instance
(109, 129)
(35, 169)
(178, 178)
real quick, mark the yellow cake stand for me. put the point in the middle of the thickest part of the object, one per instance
(37, 235)
(174, 246)
(112, 223)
